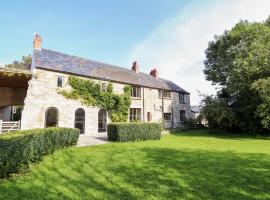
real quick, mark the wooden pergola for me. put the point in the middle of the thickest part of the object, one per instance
(13, 86)
(15, 78)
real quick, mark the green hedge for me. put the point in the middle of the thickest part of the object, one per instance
(19, 149)
(133, 131)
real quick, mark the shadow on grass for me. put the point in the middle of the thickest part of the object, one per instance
(151, 173)
(217, 134)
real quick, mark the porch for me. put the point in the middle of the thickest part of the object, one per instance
(13, 89)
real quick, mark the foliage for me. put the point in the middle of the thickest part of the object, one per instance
(24, 64)
(217, 113)
(187, 165)
(234, 61)
(262, 86)
(19, 149)
(91, 94)
(190, 123)
(134, 131)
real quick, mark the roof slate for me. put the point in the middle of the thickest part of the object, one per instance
(56, 61)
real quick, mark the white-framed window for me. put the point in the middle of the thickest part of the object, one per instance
(165, 94)
(60, 81)
(136, 91)
(135, 114)
(182, 98)
(167, 116)
(182, 115)
(103, 87)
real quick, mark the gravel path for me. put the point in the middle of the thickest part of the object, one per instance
(92, 140)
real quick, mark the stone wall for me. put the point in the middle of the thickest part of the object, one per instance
(43, 94)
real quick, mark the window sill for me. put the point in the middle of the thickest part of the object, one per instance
(136, 98)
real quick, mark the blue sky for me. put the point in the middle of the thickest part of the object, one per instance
(170, 35)
(102, 30)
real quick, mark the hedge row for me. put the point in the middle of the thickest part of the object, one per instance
(126, 131)
(19, 149)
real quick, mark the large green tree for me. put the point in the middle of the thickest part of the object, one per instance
(24, 64)
(234, 61)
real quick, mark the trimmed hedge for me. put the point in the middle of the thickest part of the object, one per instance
(133, 131)
(19, 149)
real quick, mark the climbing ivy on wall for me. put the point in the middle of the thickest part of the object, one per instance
(90, 93)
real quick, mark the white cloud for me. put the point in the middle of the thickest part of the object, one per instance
(2, 64)
(177, 46)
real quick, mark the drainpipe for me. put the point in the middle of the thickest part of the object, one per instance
(162, 109)
(143, 106)
(172, 119)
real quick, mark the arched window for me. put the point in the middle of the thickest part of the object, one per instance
(102, 120)
(80, 120)
(51, 117)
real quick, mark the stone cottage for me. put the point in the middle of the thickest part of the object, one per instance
(37, 92)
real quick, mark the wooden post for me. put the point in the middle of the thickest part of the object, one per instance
(0, 126)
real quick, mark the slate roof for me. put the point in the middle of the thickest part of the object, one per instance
(56, 61)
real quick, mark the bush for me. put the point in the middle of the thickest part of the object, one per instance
(19, 149)
(125, 131)
(193, 123)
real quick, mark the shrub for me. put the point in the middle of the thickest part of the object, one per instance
(19, 149)
(134, 131)
(193, 123)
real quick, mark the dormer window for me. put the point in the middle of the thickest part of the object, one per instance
(136, 91)
(60, 81)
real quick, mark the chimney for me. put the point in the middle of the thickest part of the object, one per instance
(37, 41)
(135, 67)
(154, 73)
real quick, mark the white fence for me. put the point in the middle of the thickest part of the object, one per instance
(6, 127)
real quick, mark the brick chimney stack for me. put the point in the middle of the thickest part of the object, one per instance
(37, 41)
(135, 67)
(154, 73)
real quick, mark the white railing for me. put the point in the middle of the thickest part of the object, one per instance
(6, 127)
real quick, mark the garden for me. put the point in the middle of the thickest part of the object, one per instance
(195, 164)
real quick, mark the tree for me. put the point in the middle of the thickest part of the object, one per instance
(262, 86)
(24, 64)
(217, 112)
(234, 61)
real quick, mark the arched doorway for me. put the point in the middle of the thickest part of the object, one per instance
(51, 117)
(80, 120)
(102, 120)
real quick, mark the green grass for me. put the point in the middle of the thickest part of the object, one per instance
(187, 165)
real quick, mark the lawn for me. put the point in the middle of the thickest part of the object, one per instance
(186, 165)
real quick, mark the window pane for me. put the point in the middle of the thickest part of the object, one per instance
(59, 81)
(182, 115)
(160, 93)
(182, 98)
(136, 91)
(167, 116)
(135, 114)
(102, 120)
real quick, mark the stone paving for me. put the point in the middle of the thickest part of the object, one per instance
(92, 140)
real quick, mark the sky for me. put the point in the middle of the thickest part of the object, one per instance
(169, 35)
